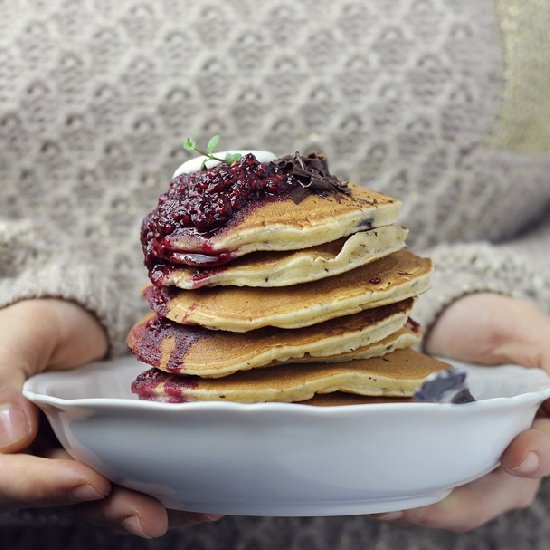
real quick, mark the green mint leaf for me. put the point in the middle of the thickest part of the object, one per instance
(213, 143)
(190, 144)
(232, 158)
(203, 164)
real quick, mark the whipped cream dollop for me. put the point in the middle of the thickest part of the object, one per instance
(194, 165)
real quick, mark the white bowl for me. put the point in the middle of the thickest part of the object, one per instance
(286, 459)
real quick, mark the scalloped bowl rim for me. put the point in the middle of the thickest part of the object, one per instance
(32, 391)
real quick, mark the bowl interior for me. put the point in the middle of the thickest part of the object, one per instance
(111, 381)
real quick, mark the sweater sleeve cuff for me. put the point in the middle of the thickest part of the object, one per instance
(479, 268)
(76, 283)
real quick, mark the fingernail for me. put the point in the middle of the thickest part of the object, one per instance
(390, 516)
(14, 425)
(530, 464)
(86, 492)
(132, 524)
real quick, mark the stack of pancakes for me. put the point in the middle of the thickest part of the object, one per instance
(316, 299)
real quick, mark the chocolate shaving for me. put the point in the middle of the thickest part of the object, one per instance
(312, 174)
(298, 194)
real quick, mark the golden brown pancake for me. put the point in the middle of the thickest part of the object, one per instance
(269, 269)
(396, 374)
(402, 339)
(341, 399)
(186, 349)
(391, 279)
(284, 225)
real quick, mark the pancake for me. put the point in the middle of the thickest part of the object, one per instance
(396, 374)
(269, 269)
(281, 224)
(194, 350)
(402, 339)
(391, 279)
(342, 399)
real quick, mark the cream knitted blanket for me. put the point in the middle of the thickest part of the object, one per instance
(443, 104)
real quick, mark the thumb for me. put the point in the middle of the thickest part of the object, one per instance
(18, 417)
(23, 350)
(529, 453)
(36, 334)
(18, 421)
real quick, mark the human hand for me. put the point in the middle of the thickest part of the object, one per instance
(53, 334)
(492, 329)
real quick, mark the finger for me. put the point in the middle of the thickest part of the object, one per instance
(80, 336)
(48, 332)
(127, 511)
(56, 453)
(18, 420)
(469, 319)
(498, 329)
(28, 481)
(474, 504)
(45, 439)
(24, 342)
(529, 454)
(36, 334)
(17, 417)
(176, 518)
(180, 518)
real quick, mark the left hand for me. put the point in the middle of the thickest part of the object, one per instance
(48, 333)
(492, 329)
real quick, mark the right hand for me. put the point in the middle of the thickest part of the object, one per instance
(41, 334)
(492, 329)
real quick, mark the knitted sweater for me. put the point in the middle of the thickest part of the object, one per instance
(442, 104)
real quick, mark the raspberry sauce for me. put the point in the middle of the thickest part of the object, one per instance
(413, 325)
(146, 383)
(147, 339)
(200, 204)
(206, 201)
(159, 298)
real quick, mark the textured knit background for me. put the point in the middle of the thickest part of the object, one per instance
(443, 104)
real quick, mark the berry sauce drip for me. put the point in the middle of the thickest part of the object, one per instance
(146, 384)
(148, 339)
(204, 202)
(159, 298)
(413, 325)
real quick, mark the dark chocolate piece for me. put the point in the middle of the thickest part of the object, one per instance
(446, 386)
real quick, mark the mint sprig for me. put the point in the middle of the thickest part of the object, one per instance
(230, 158)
